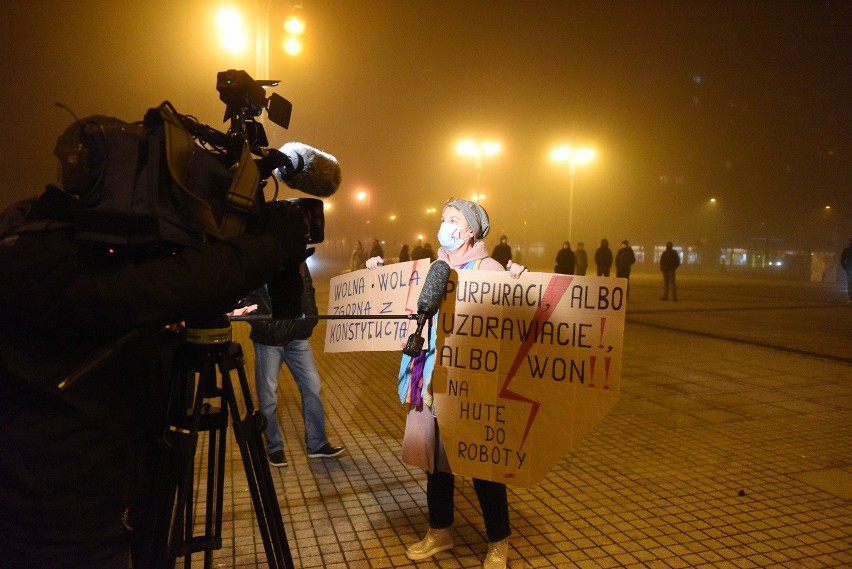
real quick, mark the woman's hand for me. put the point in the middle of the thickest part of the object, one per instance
(515, 269)
(374, 262)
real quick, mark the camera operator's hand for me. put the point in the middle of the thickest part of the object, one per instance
(288, 225)
(271, 160)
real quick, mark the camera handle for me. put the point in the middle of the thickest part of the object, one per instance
(196, 382)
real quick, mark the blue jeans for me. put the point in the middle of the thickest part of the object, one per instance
(300, 360)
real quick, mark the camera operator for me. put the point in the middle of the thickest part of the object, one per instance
(76, 464)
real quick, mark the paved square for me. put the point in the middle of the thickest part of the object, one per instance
(719, 454)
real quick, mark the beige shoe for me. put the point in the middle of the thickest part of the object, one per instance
(498, 555)
(436, 540)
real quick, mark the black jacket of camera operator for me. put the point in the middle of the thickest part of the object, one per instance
(77, 464)
(281, 332)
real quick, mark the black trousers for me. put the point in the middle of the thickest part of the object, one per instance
(440, 488)
(669, 282)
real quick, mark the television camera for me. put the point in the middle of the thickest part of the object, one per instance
(221, 184)
(171, 180)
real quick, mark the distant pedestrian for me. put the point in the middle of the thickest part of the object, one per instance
(565, 260)
(428, 253)
(846, 263)
(359, 257)
(417, 252)
(603, 258)
(376, 250)
(624, 260)
(502, 251)
(669, 262)
(581, 258)
(518, 255)
(404, 255)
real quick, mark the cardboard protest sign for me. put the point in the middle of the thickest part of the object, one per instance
(382, 292)
(524, 369)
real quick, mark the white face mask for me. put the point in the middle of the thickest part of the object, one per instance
(449, 236)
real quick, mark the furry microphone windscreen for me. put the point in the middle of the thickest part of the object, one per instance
(433, 288)
(317, 173)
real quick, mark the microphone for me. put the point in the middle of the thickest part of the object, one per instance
(307, 169)
(428, 304)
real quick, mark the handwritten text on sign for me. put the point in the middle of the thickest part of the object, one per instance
(385, 291)
(525, 368)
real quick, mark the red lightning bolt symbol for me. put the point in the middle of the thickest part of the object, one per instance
(552, 295)
(411, 280)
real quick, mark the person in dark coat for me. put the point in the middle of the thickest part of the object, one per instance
(404, 255)
(359, 257)
(582, 260)
(846, 263)
(669, 262)
(624, 259)
(565, 260)
(502, 251)
(603, 258)
(428, 253)
(376, 250)
(78, 464)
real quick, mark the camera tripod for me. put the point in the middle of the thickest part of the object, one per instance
(195, 388)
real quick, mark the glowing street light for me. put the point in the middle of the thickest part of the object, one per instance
(573, 156)
(230, 23)
(295, 29)
(364, 197)
(295, 24)
(234, 39)
(478, 150)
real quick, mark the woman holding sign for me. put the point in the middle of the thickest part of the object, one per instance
(463, 226)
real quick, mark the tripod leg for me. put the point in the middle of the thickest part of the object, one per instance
(169, 533)
(248, 431)
(216, 459)
(175, 458)
(174, 525)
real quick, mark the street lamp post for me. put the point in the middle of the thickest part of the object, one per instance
(261, 38)
(478, 149)
(573, 156)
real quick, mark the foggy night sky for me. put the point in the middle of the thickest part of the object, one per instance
(747, 102)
